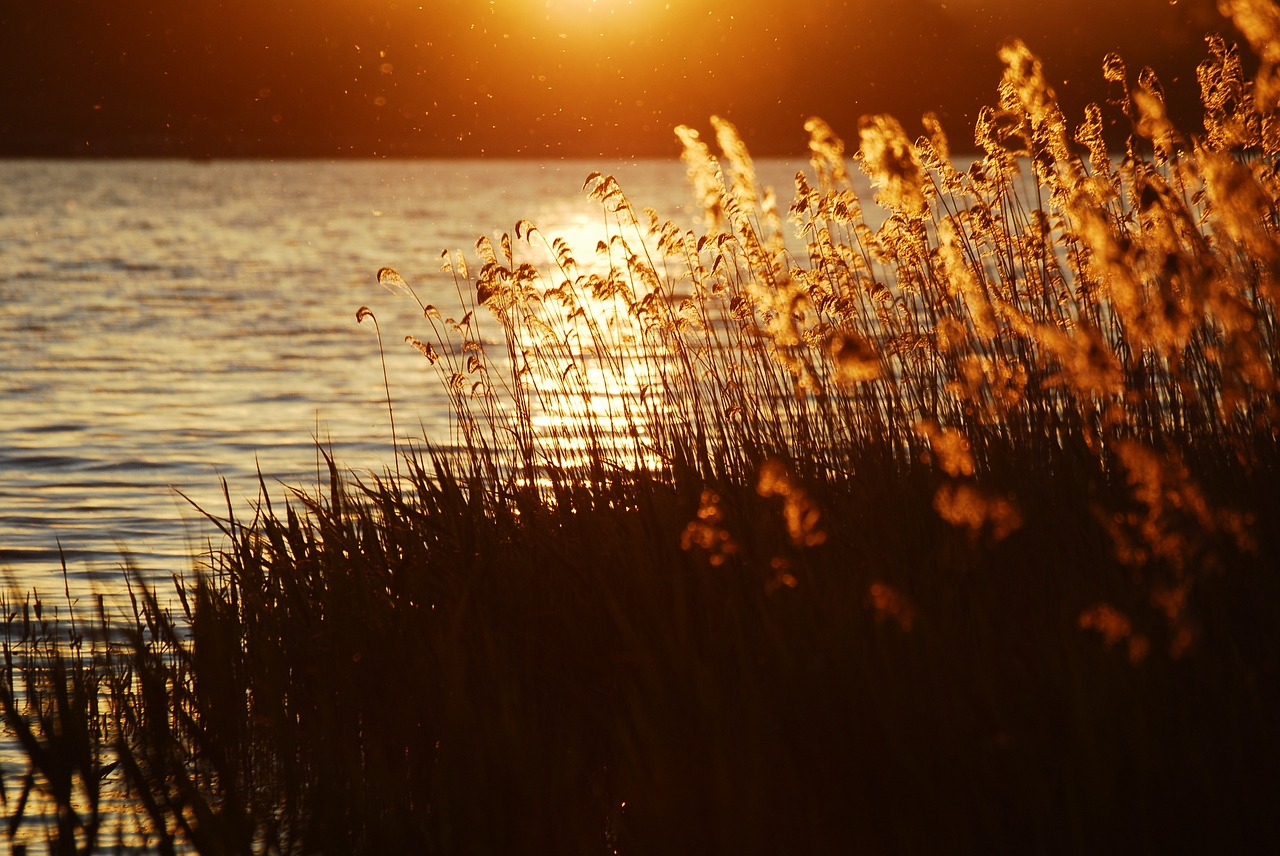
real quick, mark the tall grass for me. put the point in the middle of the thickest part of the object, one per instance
(947, 531)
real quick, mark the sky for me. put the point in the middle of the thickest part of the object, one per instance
(541, 78)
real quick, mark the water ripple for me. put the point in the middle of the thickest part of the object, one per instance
(173, 325)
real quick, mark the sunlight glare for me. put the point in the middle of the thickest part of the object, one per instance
(594, 7)
(578, 14)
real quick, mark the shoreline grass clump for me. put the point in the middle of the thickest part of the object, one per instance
(948, 530)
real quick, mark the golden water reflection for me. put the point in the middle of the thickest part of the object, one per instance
(567, 352)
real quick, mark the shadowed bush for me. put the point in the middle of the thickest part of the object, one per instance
(947, 533)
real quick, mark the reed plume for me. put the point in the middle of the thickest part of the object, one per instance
(940, 521)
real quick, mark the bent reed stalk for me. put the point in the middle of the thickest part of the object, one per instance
(953, 532)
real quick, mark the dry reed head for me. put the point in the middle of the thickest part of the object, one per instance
(1051, 295)
(1058, 377)
(890, 159)
(704, 176)
(707, 531)
(1259, 21)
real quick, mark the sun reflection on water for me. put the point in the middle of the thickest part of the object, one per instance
(576, 373)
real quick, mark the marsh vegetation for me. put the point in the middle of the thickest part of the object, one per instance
(955, 534)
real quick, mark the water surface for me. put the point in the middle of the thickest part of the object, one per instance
(168, 325)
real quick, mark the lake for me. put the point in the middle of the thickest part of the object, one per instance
(168, 325)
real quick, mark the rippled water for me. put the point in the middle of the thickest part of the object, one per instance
(169, 324)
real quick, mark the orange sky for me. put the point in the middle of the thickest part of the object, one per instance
(536, 77)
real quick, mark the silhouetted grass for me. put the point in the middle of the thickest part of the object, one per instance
(953, 535)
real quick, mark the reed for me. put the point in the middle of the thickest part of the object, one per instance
(949, 530)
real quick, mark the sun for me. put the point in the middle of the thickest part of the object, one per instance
(596, 12)
(595, 19)
(592, 7)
